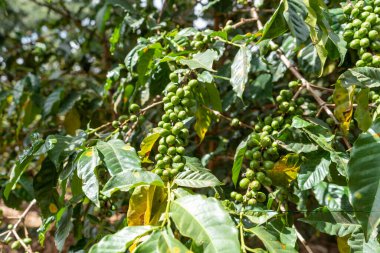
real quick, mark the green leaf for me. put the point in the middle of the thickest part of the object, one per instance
(205, 77)
(25, 159)
(262, 218)
(365, 77)
(118, 156)
(202, 123)
(276, 25)
(358, 244)
(132, 22)
(340, 44)
(196, 179)
(271, 242)
(214, 96)
(206, 222)
(120, 241)
(128, 180)
(295, 13)
(261, 88)
(45, 188)
(364, 178)
(309, 61)
(333, 196)
(148, 143)
(52, 102)
(313, 170)
(280, 229)
(64, 226)
(332, 223)
(146, 61)
(86, 170)
(201, 60)
(194, 164)
(60, 147)
(362, 114)
(238, 160)
(133, 56)
(102, 16)
(162, 241)
(239, 70)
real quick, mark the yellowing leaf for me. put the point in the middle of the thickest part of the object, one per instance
(343, 100)
(285, 170)
(72, 121)
(53, 208)
(203, 121)
(343, 246)
(146, 205)
(148, 143)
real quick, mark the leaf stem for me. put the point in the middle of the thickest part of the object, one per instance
(241, 228)
(167, 217)
(228, 42)
(221, 77)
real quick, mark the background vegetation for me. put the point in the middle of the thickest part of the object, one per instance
(189, 126)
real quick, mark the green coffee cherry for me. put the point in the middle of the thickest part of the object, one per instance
(134, 108)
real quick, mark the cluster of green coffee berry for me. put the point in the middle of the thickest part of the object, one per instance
(179, 104)
(374, 98)
(15, 244)
(106, 205)
(262, 150)
(123, 120)
(362, 30)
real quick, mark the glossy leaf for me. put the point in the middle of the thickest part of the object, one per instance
(202, 60)
(239, 70)
(162, 241)
(313, 170)
(194, 164)
(276, 25)
(21, 166)
(238, 160)
(295, 14)
(118, 156)
(206, 222)
(120, 241)
(196, 179)
(332, 223)
(365, 77)
(271, 242)
(358, 244)
(86, 170)
(333, 196)
(148, 143)
(364, 178)
(45, 192)
(146, 205)
(128, 180)
(64, 226)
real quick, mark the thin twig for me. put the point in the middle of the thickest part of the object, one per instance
(161, 12)
(151, 106)
(218, 114)
(306, 84)
(14, 228)
(244, 21)
(27, 249)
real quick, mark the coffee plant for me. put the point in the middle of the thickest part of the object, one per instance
(190, 126)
